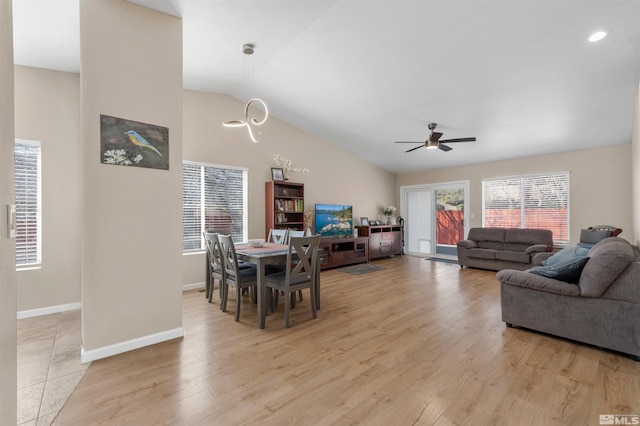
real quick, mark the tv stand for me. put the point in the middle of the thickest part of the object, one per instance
(344, 251)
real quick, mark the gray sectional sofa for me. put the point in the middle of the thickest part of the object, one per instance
(602, 308)
(502, 248)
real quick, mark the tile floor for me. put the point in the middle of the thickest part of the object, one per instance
(49, 365)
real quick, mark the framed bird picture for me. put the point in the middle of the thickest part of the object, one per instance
(131, 143)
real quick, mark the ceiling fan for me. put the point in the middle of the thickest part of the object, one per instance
(434, 142)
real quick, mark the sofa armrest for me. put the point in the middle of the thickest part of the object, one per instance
(538, 248)
(467, 244)
(537, 282)
(538, 258)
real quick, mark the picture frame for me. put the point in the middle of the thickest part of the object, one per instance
(364, 221)
(125, 142)
(277, 174)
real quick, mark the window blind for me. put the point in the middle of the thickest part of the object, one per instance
(534, 201)
(213, 198)
(28, 197)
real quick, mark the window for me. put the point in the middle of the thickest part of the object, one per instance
(534, 201)
(213, 197)
(28, 203)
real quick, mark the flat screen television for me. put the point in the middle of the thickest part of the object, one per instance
(333, 220)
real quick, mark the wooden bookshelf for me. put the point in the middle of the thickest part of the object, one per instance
(284, 206)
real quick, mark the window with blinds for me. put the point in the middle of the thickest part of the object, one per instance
(28, 196)
(213, 198)
(532, 201)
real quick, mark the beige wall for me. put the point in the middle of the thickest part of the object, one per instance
(8, 333)
(131, 67)
(635, 161)
(48, 110)
(600, 184)
(335, 177)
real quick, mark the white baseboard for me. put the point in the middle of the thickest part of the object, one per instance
(48, 310)
(194, 286)
(129, 345)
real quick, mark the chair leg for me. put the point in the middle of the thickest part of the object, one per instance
(300, 295)
(238, 302)
(287, 302)
(224, 289)
(207, 287)
(312, 292)
(276, 294)
(210, 289)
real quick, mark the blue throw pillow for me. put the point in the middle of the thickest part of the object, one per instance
(568, 271)
(565, 255)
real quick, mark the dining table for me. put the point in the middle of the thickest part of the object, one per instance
(271, 253)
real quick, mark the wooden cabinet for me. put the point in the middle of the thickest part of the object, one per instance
(284, 206)
(344, 251)
(384, 240)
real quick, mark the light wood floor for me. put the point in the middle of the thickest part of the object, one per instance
(419, 342)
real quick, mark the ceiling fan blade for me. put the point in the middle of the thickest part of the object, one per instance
(435, 136)
(408, 142)
(413, 149)
(459, 140)
(444, 147)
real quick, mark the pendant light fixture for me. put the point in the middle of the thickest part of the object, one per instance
(248, 49)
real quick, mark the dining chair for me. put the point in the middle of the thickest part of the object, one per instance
(234, 276)
(302, 255)
(295, 233)
(278, 236)
(214, 262)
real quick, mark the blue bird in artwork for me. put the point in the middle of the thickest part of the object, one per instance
(136, 139)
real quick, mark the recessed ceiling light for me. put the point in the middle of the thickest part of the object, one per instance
(598, 35)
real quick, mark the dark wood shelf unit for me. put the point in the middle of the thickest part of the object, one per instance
(284, 206)
(343, 251)
(384, 240)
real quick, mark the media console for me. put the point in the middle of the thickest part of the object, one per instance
(344, 251)
(384, 240)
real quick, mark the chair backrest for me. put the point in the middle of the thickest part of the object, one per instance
(293, 233)
(214, 253)
(278, 236)
(301, 258)
(615, 231)
(229, 257)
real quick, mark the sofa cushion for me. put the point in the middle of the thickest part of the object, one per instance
(528, 236)
(536, 282)
(480, 253)
(513, 256)
(609, 258)
(487, 234)
(568, 271)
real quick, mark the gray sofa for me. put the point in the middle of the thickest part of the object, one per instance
(602, 309)
(502, 248)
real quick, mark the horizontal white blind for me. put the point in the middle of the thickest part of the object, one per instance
(536, 201)
(213, 198)
(28, 203)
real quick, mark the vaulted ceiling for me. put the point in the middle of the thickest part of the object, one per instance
(519, 75)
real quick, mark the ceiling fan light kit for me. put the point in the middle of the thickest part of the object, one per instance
(434, 142)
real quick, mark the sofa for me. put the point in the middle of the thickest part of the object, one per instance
(599, 305)
(502, 248)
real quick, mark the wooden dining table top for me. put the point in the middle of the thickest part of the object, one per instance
(267, 248)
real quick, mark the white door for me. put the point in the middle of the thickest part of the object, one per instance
(419, 221)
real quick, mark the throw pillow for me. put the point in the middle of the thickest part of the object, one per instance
(565, 255)
(568, 271)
